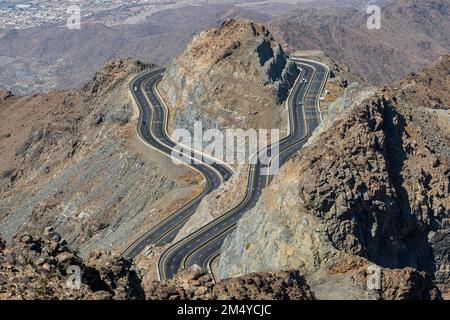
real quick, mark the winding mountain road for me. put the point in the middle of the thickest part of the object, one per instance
(203, 246)
(152, 130)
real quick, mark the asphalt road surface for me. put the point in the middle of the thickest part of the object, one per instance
(152, 129)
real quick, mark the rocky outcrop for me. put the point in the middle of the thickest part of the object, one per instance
(195, 284)
(430, 87)
(408, 284)
(234, 76)
(375, 186)
(38, 268)
(42, 269)
(2, 245)
(353, 95)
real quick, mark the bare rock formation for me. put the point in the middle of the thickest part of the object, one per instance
(194, 283)
(233, 76)
(430, 87)
(38, 268)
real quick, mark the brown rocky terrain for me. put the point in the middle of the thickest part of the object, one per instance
(235, 76)
(36, 268)
(194, 283)
(72, 160)
(373, 189)
(430, 87)
(412, 35)
(370, 189)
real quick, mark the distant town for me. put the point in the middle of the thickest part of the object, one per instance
(16, 15)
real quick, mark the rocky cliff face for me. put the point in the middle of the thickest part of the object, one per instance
(234, 76)
(373, 189)
(71, 160)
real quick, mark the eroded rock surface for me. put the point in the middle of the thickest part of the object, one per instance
(193, 283)
(38, 268)
(234, 76)
(375, 186)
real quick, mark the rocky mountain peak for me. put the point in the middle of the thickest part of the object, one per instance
(231, 36)
(240, 42)
(233, 76)
(38, 268)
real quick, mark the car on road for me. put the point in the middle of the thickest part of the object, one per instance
(135, 89)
